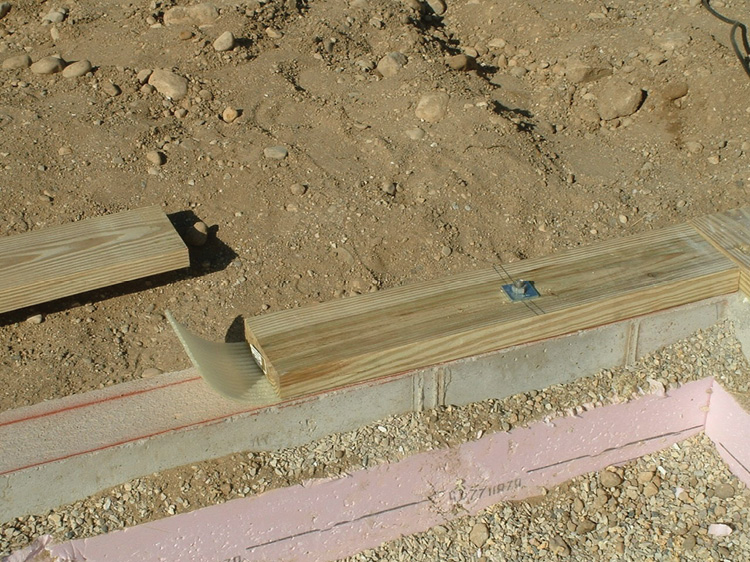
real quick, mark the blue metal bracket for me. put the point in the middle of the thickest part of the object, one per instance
(520, 290)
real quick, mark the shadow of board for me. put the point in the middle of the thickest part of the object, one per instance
(214, 256)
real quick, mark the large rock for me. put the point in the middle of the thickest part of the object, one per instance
(48, 65)
(169, 84)
(618, 99)
(432, 107)
(199, 14)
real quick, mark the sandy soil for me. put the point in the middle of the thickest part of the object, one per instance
(578, 123)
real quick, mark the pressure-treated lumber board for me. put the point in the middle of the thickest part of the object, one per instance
(328, 345)
(65, 260)
(730, 232)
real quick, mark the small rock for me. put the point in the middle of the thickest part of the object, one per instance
(432, 107)
(673, 40)
(446, 251)
(389, 187)
(168, 84)
(77, 69)
(724, 491)
(48, 65)
(274, 33)
(4, 9)
(229, 114)
(462, 62)
(688, 543)
(438, 6)
(275, 152)
(224, 42)
(650, 490)
(155, 157)
(150, 372)
(675, 90)
(16, 62)
(618, 99)
(186, 35)
(199, 14)
(585, 526)
(479, 534)
(609, 479)
(719, 530)
(298, 189)
(143, 75)
(54, 16)
(580, 72)
(645, 477)
(391, 63)
(111, 89)
(415, 134)
(655, 58)
(558, 546)
(197, 234)
(693, 147)
(36, 319)
(714, 159)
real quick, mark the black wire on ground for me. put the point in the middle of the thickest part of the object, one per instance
(744, 58)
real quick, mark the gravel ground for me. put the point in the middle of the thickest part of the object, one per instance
(714, 352)
(660, 507)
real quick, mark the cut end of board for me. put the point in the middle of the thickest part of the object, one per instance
(228, 368)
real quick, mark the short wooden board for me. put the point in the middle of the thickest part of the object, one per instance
(316, 348)
(730, 232)
(65, 260)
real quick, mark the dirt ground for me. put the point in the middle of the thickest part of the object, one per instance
(567, 122)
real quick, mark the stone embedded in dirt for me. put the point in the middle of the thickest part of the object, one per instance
(298, 189)
(229, 114)
(224, 42)
(169, 84)
(609, 479)
(580, 72)
(618, 99)
(391, 63)
(415, 134)
(48, 65)
(36, 319)
(143, 75)
(4, 9)
(694, 147)
(197, 234)
(673, 40)
(16, 62)
(461, 62)
(675, 90)
(432, 107)
(156, 157)
(438, 6)
(389, 187)
(77, 69)
(199, 14)
(479, 534)
(186, 35)
(275, 152)
(724, 491)
(56, 15)
(111, 89)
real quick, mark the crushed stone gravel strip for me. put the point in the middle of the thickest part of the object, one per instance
(670, 505)
(713, 352)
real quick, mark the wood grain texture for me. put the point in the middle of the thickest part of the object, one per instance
(730, 232)
(336, 343)
(59, 261)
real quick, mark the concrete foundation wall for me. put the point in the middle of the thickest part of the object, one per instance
(60, 451)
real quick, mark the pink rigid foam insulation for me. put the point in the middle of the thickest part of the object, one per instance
(728, 426)
(332, 518)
